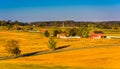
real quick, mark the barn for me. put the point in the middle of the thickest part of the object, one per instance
(97, 35)
(62, 35)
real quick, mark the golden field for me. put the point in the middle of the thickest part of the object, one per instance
(85, 57)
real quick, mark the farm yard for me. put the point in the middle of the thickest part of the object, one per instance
(82, 53)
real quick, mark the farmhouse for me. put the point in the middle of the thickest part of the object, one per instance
(97, 35)
(63, 35)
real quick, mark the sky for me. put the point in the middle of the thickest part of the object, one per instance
(55, 10)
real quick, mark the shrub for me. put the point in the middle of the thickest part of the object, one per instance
(51, 43)
(46, 34)
(12, 47)
(55, 32)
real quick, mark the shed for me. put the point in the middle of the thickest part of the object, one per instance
(97, 35)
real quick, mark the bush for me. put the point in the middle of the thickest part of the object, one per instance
(46, 34)
(12, 47)
(51, 43)
(55, 32)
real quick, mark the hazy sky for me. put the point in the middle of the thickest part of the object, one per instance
(48, 10)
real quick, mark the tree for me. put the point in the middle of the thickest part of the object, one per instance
(55, 32)
(84, 32)
(3, 23)
(72, 32)
(12, 47)
(51, 43)
(91, 26)
(115, 27)
(9, 27)
(16, 25)
(46, 33)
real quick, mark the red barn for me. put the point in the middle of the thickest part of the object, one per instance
(97, 35)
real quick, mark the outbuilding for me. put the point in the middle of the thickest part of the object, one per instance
(97, 35)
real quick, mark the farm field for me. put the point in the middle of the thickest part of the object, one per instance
(83, 53)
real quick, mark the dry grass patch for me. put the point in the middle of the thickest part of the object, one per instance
(106, 57)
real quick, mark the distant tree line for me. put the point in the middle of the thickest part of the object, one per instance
(101, 25)
(16, 25)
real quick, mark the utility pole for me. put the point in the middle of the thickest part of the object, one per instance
(63, 24)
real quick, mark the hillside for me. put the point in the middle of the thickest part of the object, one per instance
(81, 53)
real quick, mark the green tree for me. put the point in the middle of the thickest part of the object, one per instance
(9, 27)
(72, 32)
(12, 47)
(83, 32)
(91, 26)
(16, 25)
(46, 34)
(51, 43)
(115, 27)
(3, 23)
(55, 32)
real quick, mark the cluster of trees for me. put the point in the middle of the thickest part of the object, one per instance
(16, 25)
(70, 23)
(9, 22)
(82, 31)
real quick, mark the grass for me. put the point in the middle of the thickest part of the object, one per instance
(30, 66)
(89, 58)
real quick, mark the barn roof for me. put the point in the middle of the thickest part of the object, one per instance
(98, 32)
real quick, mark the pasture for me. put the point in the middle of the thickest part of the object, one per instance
(83, 53)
